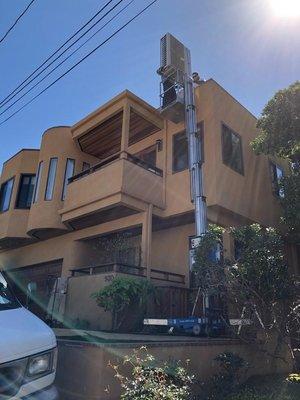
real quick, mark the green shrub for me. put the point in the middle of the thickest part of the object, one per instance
(247, 394)
(226, 382)
(122, 294)
(151, 380)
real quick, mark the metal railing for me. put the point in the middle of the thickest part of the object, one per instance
(156, 274)
(131, 158)
(110, 267)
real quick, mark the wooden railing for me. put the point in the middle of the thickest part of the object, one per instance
(156, 274)
(135, 160)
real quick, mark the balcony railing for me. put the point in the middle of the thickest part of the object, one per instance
(156, 274)
(135, 160)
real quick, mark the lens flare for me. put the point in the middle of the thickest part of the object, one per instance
(286, 8)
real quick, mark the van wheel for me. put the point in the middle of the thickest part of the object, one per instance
(196, 330)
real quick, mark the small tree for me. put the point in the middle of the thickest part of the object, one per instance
(257, 279)
(151, 380)
(121, 295)
(279, 125)
(291, 204)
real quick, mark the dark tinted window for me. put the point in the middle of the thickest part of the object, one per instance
(26, 189)
(232, 149)
(5, 194)
(51, 179)
(180, 149)
(180, 152)
(69, 172)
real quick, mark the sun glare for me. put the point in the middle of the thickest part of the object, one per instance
(286, 8)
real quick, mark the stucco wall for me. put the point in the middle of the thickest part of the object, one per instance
(83, 371)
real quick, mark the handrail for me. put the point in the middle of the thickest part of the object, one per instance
(95, 167)
(130, 270)
(110, 267)
(144, 164)
(116, 156)
(168, 276)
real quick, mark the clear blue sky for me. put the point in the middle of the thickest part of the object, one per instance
(240, 43)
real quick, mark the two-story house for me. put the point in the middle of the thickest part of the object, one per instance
(124, 168)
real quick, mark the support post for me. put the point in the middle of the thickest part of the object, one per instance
(147, 240)
(125, 130)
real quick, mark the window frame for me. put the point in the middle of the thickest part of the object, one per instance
(54, 179)
(19, 191)
(10, 196)
(65, 181)
(242, 171)
(37, 182)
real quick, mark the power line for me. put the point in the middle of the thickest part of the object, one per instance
(16, 21)
(56, 51)
(80, 61)
(55, 59)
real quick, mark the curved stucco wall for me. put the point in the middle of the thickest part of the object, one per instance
(13, 222)
(44, 219)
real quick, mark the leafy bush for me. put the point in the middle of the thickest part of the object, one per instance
(121, 294)
(247, 394)
(232, 368)
(150, 380)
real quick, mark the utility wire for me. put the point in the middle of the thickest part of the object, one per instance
(56, 51)
(80, 61)
(59, 56)
(16, 21)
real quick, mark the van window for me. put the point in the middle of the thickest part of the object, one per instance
(7, 299)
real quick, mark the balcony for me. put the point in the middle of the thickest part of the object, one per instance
(159, 277)
(117, 187)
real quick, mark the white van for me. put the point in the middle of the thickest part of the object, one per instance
(28, 352)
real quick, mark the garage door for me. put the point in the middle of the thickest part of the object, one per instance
(42, 278)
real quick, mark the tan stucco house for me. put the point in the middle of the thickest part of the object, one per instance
(124, 168)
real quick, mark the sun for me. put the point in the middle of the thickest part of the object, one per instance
(286, 8)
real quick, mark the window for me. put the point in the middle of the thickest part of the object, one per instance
(85, 166)
(5, 194)
(148, 155)
(181, 150)
(232, 149)
(276, 176)
(25, 192)
(51, 179)
(37, 182)
(69, 172)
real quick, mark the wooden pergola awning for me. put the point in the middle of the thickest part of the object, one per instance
(100, 134)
